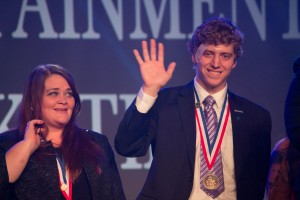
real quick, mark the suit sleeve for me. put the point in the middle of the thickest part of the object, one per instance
(135, 132)
(292, 112)
(264, 148)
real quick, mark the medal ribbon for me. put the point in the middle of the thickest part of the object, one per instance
(64, 179)
(210, 151)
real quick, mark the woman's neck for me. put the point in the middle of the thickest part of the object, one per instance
(55, 136)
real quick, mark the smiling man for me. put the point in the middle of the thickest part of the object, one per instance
(207, 142)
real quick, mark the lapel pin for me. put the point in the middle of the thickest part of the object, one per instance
(239, 111)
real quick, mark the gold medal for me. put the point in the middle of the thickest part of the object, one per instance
(63, 187)
(211, 182)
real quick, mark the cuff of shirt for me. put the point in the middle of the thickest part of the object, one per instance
(144, 101)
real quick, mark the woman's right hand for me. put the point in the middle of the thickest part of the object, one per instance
(18, 155)
(33, 133)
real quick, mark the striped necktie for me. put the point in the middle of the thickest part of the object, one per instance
(211, 181)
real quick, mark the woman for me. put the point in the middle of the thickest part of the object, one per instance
(285, 162)
(48, 156)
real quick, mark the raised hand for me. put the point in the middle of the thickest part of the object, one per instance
(18, 155)
(152, 68)
(33, 134)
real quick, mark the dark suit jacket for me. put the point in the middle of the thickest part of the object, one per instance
(292, 108)
(170, 128)
(39, 180)
(292, 118)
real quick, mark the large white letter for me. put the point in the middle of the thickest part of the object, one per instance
(234, 11)
(42, 9)
(96, 107)
(115, 16)
(259, 18)
(15, 99)
(174, 22)
(69, 32)
(90, 33)
(293, 21)
(197, 12)
(155, 19)
(138, 33)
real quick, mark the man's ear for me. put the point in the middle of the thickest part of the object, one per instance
(234, 65)
(194, 60)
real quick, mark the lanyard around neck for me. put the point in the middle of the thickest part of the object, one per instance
(65, 184)
(210, 145)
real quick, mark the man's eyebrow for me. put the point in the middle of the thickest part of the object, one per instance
(231, 53)
(207, 50)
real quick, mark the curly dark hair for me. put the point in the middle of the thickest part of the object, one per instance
(217, 31)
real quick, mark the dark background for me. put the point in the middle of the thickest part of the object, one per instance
(105, 67)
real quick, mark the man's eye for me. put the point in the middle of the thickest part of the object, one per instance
(226, 56)
(207, 54)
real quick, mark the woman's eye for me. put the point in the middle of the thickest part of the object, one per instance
(69, 94)
(53, 94)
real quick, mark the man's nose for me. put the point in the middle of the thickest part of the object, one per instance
(216, 62)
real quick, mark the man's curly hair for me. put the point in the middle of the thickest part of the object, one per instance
(217, 31)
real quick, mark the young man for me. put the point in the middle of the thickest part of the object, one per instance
(200, 150)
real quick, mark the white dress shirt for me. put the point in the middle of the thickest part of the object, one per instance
(226, 152)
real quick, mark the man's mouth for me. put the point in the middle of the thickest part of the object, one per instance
(214, 72)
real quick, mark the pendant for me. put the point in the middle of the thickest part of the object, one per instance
(211, 182)
(63, 187)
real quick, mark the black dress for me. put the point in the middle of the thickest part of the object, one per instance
(39, 180)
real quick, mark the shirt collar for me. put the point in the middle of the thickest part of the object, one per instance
(219, 96)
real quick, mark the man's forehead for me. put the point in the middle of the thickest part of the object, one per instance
(228, 48)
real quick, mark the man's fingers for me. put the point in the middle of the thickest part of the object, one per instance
(161, 52)
(171, 68)
(153, 50)
(138, 57)
(145, 51)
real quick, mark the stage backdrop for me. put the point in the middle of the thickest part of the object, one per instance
(94, 40)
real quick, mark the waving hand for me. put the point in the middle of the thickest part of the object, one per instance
(152, 68)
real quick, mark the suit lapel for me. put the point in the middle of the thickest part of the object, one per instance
(186, 104)
(93, 180)
(237, 116)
